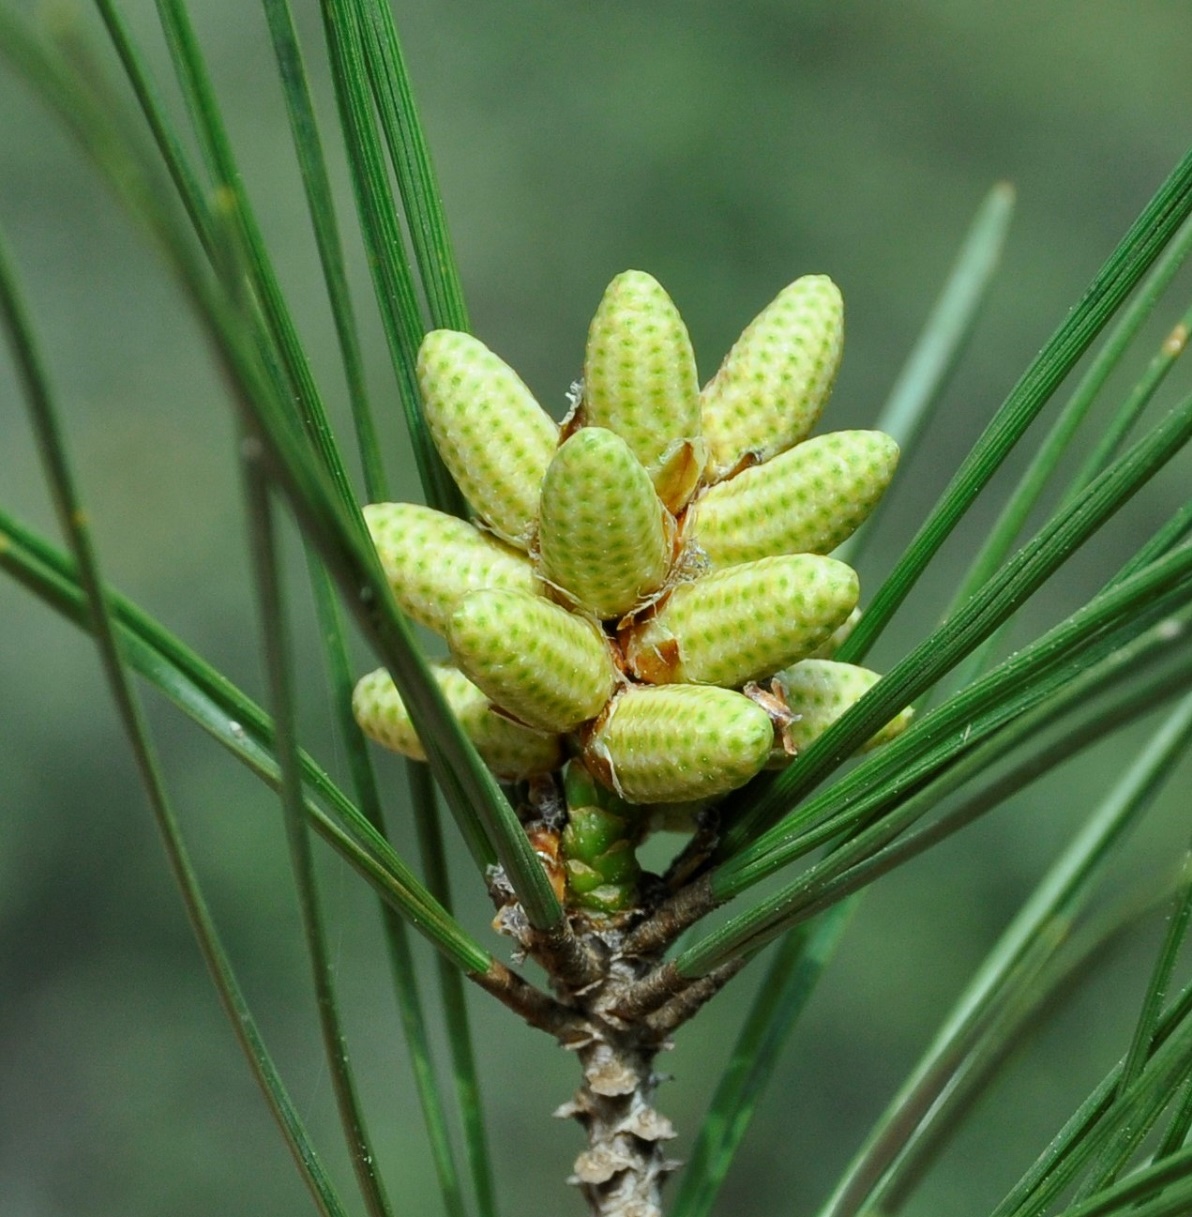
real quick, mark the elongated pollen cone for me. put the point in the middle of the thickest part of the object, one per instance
(837, 638)
(805, 501)
(744, 623)
(545, 666)
(620, 588)
(670, 745)
(495, 439)
(640, 382)
(819, 691)
(433, 560)
(604, 536)
(773, 384)
(511, 751)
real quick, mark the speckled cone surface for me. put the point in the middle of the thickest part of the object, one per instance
(580, 604)
(433, 560)
(822, 690)
(744, 623)
(640, 382)
(680, 742)
(538, 662)
(493, 436)
(773, 384)
(603, 534)
(805, 501)
(510, 750)
(837, 638)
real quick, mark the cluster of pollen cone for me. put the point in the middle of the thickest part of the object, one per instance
(646, 589)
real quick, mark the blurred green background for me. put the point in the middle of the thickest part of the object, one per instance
(726, 148)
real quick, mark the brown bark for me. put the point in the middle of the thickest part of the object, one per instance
(670, 919)
(615, 1005)
(689, 1001)
(622, 1171)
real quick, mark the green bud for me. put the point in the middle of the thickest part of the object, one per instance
(581, 789)
(495, 439)
(597, 846)
(607, 898)
(744, 623)
(773, 384)
(433, 560)
(805, 501)
(819, 691)
(581, 878)
(591, 832)
(681, 742)
(604, 537)
(598, 852)
(545, 666)
(640, 382)
(510, 750)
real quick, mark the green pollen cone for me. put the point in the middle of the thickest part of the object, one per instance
(744, 623)
(819, 691)
(681, 742)
(805, 501)
(604, 536)
(640, 382)
(433, 560)
(773, 384)
(510, 750)
(492, 435)
(545, 666)
(837, 638)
